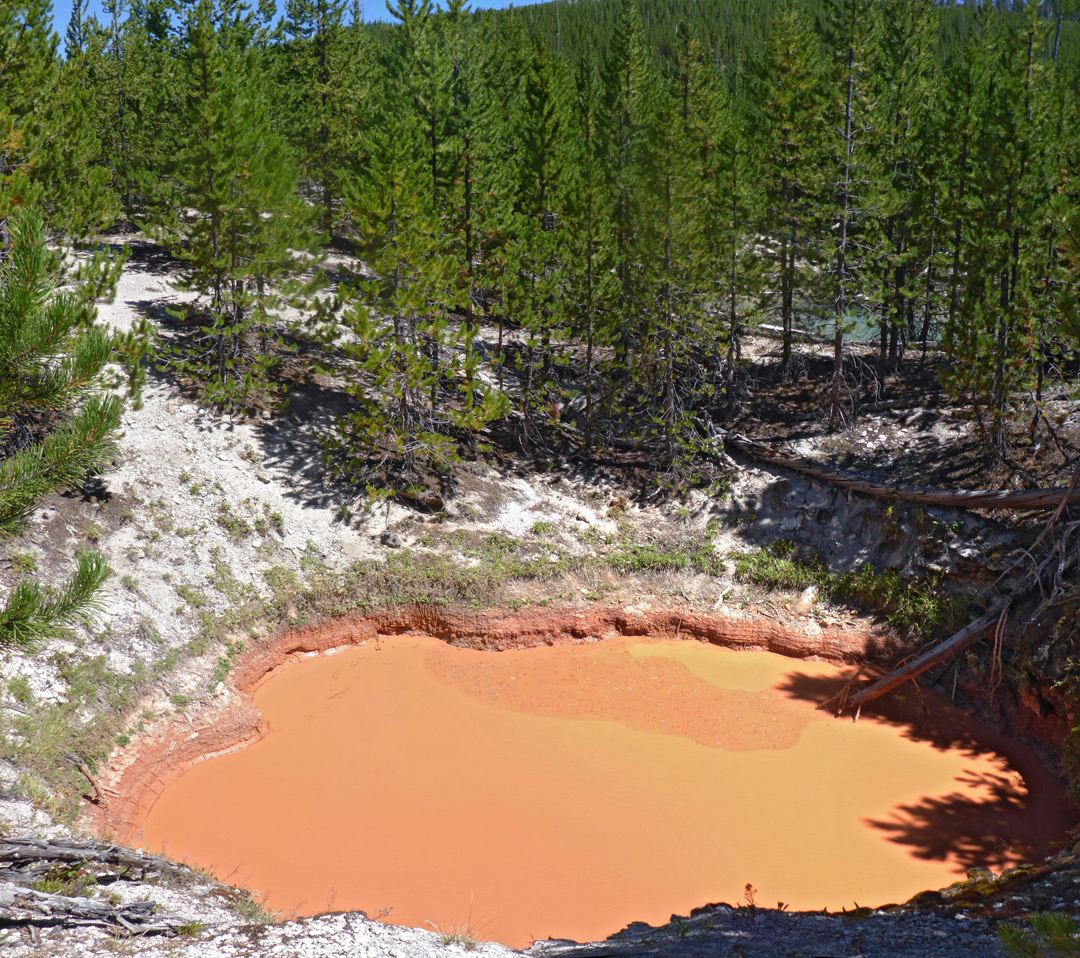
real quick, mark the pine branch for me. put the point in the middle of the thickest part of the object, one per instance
(34, 613)
(61, 460)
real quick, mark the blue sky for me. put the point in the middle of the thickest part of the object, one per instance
(373, 9)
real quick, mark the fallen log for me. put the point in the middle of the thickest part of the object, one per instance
(22, 907)
(966, 637)
(21, 851)
(1025, 499)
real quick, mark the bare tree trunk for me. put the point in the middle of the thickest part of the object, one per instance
(841, 247)
(324, 130)
(928, 301)
(120, 109)
(733, 321)
(590, 330)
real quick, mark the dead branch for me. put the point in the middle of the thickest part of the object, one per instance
(84, 769)
(961, 640)
(18, 852)
(27, 906)
(1027, 499)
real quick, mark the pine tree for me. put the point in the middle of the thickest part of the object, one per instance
(532, 295)
(679, 339)
(631, 82)
(583, 239)
(29, 72)
(999, 269)
(416, 387)
(724, 203)
(501, 62)
(76, 35)
(461, 134)
(792, 95)
(111, 62)
(900, 74)
(849, 178)
(56, 424)
(76, 194)
(48, 154)
(228, 209)
(1061, 155)
(325, 84)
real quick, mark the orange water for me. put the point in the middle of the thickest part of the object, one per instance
(567, 791)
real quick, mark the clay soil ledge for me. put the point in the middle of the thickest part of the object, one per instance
(134, 776)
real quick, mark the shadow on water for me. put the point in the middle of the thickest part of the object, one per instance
(988, 832)
(993, 819)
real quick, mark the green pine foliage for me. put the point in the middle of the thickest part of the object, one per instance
(567, 216)
(114, 59)
(56, 423)
(896, 146)
(228, 207)
(1000, 268)
(48, 153)
(324, 75)
(29, 73)
(416, 386)
(792, 87)
(1050, 935)
(588, 285)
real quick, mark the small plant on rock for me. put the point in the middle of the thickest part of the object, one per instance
(23, 563)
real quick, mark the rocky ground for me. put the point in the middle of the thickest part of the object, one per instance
(717, 931)
(205, 515)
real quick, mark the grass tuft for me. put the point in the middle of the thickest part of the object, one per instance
(921, 607)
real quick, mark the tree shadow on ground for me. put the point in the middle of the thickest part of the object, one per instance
(292, 443)
(158, 311)
(148, 257)
(999, 819)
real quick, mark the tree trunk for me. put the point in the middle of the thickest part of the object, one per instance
(841, 246)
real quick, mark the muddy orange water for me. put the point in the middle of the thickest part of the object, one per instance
(567, 791)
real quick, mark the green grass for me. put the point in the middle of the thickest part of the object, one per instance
(778, 568)
(225, 663)
(40, 740)
(86, 725)
(19, 687)
(464, 935)
(922, 607)
(23, 563)
(632, 558)
(70, 880)
(237, 527)
(223, 580)
(196, 598)
(190, 928)
(247, 907)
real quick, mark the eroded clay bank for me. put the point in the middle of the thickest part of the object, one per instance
(135, 775)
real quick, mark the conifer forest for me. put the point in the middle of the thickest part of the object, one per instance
(560, 222)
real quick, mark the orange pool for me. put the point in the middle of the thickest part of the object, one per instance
(566, 791)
